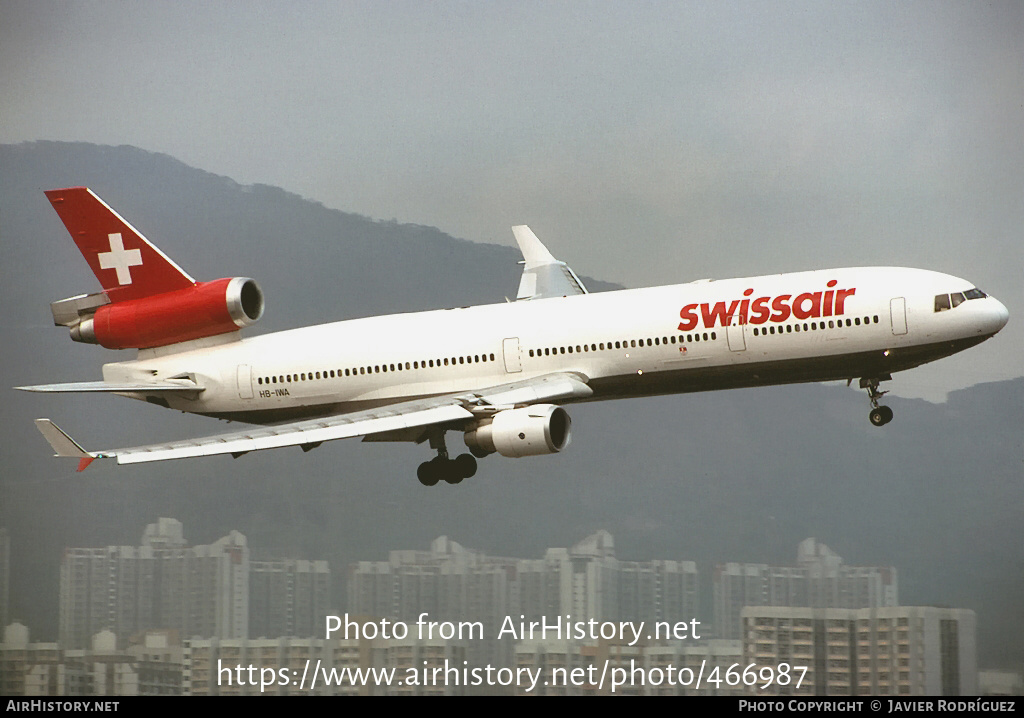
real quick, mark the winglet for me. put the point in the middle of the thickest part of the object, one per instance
(64, 445)
(543, 275)
(534, 252)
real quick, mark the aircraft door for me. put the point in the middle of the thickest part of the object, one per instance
(898, 313)
(513, 361)
(244, 381)
(735, 334)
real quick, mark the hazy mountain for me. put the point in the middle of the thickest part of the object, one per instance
(729, 476)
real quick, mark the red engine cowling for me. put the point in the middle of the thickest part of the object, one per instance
(203, 310)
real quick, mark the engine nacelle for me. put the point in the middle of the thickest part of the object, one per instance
(530, 431)
(204, 310)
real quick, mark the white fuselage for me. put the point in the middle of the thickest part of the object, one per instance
(807, 326)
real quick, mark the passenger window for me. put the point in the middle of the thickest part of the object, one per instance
(941, 302)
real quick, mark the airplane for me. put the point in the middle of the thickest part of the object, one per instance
(500, 374)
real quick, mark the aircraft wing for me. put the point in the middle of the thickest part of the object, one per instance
(433, 411)
(543, 275)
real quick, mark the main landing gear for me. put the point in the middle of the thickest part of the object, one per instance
(452, 471)
(880, 415)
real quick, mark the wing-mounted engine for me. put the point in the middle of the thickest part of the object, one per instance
(204, 309)
(530, 431)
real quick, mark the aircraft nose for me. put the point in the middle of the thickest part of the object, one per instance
(996, 316)
(1000, 313)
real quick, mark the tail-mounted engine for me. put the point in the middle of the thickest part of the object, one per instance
(205, 309)
(531, 431)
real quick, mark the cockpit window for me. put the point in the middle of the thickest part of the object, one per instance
(949, 301)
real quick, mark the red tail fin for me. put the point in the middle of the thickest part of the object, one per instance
(124, 261)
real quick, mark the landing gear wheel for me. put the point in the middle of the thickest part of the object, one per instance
(880, 416)
(428, 473)
(465, 466)
(453, 471)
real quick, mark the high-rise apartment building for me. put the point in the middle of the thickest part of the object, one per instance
(5, 577)
(452, 583)
(162, 584)
(901, 650)
(288, 597)
(819, 580)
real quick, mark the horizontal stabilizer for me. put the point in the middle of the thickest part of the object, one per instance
(109, 387)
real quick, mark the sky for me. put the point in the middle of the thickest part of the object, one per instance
(645, 142)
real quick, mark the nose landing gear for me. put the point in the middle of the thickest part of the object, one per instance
(880, 415)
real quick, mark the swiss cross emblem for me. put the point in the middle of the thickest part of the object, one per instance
(120, 259)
